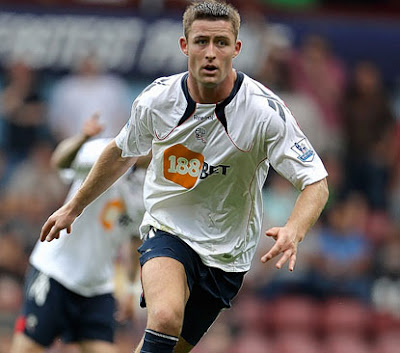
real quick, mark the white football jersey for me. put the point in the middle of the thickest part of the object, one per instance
(83, 261)
(210, 162)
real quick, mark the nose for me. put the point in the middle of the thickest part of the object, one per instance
(210, 53)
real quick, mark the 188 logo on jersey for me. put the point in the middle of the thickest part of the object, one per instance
(182, 166)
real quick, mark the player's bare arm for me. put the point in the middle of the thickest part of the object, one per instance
(108, 168)
(306, 211)
(67, 149)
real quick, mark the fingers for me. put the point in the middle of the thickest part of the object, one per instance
(287, 255)
(272, 232)
(282, 260)
(275, 250)
(53, 234)
(92, 126)
(292, 262)
(46, 229)
(50, 231)
(95, 116)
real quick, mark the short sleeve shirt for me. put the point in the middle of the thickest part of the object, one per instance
(210, 162)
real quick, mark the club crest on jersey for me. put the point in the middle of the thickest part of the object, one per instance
(303, 150)
(200, 133)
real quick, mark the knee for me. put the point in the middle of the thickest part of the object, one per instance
(167, 320)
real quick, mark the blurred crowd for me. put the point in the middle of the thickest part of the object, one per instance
(344, 295)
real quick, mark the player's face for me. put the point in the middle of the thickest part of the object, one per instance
(211, 47)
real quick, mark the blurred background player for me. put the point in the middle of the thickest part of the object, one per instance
(73, 298)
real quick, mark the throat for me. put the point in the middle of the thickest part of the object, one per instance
(211, 94)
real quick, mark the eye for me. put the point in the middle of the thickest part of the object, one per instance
(221, 43)
(201, 41)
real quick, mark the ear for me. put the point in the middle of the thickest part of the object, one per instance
(183, 45)
(238, 48)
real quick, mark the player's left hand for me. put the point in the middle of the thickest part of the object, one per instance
(286, 242)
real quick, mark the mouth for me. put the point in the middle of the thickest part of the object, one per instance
(211, 69)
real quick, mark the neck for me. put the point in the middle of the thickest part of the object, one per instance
(211, 95)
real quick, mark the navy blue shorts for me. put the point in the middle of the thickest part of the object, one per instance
(50, 310)
(211, 289)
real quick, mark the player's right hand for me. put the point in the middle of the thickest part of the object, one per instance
(92, 126)
(59, 220)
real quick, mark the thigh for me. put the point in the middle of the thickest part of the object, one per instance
(23, 344)
(169, 269)
(164, 287)
(98, 347)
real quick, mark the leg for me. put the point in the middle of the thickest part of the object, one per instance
(166, 291)
(181, 347)
(212, 294)
(41, 316)
(23, 344)
(98, 347)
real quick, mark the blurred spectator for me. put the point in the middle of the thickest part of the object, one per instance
(10, 301)
(294, 342)
(334, 166)
(394, 195)
(368, 133)
(107, 2)
(10, 294)
(279, 197)
(317, 72)
(386, 287)
(251, 342)
(342, 259)
(154, 7)
(217, 340)
(13, 261)
(89, 90)
(276, 74)
(394, 187)
(13, 258)
(3, 170)
(344, 317)
(387, 342)
(271, 41)
(22, 115)
(293, 316)
(32, 193)
(346, 343)
(291, 4)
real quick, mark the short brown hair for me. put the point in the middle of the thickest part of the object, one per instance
(212, 10)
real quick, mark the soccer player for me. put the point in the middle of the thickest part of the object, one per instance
(213, 132)
(68, 291)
